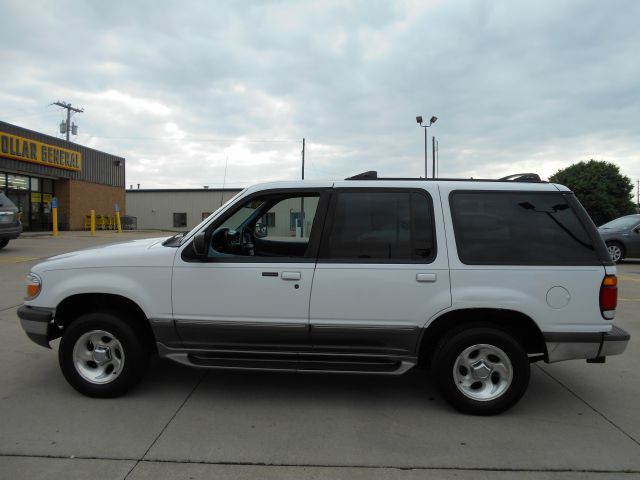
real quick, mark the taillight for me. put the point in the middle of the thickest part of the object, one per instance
(609, 297)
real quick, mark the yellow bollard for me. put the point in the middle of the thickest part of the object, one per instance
(93, 222)
(54, 215)
(118, 222)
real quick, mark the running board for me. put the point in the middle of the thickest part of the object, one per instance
(289, 361)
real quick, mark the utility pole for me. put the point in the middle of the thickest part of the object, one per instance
(302, 198)
(302, 158)
(66, 128)
(437, 158)
(433, 156)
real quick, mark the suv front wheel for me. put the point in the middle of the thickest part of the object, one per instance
(481, 370)
(102, 355)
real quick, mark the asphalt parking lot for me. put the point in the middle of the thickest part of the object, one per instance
(577, 420)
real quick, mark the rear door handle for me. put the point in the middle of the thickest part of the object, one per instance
(291, 275)
(426, 277)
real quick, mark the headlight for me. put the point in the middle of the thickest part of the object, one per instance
(34, 285)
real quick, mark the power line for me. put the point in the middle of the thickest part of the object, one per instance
(204, 140)
(16, 115)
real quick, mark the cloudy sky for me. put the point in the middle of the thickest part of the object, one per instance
(179, 88)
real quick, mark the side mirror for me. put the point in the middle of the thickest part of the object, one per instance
(637, 229)
(199, 244)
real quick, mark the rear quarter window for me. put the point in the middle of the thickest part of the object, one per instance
(519, 228)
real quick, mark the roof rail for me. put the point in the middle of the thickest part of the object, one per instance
(522, 177)
(517, 177)
(370, 175)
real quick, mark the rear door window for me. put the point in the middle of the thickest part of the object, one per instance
(380, 226)
(519, 228)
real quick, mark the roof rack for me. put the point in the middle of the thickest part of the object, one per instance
(522, 177)
(370, 175)
(517, 177)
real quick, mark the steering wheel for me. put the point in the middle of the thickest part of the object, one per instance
(247, 241)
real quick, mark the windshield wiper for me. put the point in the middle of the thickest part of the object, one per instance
(175, 240)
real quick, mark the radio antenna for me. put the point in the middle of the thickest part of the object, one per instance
(224, 179)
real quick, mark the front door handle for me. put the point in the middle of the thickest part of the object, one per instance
(291, 275)
(426, 277)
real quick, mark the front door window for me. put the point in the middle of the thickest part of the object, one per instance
(268, 226)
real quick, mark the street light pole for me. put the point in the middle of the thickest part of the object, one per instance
(432, 120)
(426, 162)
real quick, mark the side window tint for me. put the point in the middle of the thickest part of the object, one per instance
(422, 227)
(518, 228)
(381, 225)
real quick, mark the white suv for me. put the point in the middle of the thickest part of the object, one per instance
(476, 279)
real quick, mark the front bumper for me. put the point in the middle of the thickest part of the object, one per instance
(589, 346)
(37, 323)
(10, 232)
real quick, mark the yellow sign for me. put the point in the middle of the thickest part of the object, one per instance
(46, 197)
(19, 148)
(36, 197)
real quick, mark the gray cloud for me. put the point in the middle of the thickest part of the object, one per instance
(177, 87)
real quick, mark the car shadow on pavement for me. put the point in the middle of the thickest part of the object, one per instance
(415, 389)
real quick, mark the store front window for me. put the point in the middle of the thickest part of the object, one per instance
(18, 193)
(32, 196)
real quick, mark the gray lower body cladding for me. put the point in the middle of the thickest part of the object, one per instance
(568, 346)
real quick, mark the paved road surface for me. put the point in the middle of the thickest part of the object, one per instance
(577, 420)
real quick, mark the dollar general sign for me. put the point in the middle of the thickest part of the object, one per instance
(18, 148)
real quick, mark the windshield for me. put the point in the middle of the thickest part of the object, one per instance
(241, 216)
(622, 223)
(206, 220)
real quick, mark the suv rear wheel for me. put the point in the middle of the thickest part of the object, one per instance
(101, 355)
(481, 370)
(3, 242)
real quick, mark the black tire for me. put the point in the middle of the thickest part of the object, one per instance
(616, 251)
(4, 242)
(122, 360)
(499, 358)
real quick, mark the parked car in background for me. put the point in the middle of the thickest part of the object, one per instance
(10, 226)
(622, 237)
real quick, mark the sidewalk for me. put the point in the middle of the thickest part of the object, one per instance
(99, 233)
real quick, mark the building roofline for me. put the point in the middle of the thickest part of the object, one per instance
(157, 190)
(63, 143)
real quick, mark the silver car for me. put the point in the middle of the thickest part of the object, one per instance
(10, 226)
(622, 237)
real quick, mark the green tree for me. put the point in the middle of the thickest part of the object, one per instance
(600, 187)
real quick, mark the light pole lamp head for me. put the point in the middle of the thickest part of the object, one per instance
(433, 120)
(419, 119)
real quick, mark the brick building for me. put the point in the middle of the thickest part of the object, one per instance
(35, 168)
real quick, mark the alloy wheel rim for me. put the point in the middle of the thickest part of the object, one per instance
(98, 357)
(483, 372)
(615, 252)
